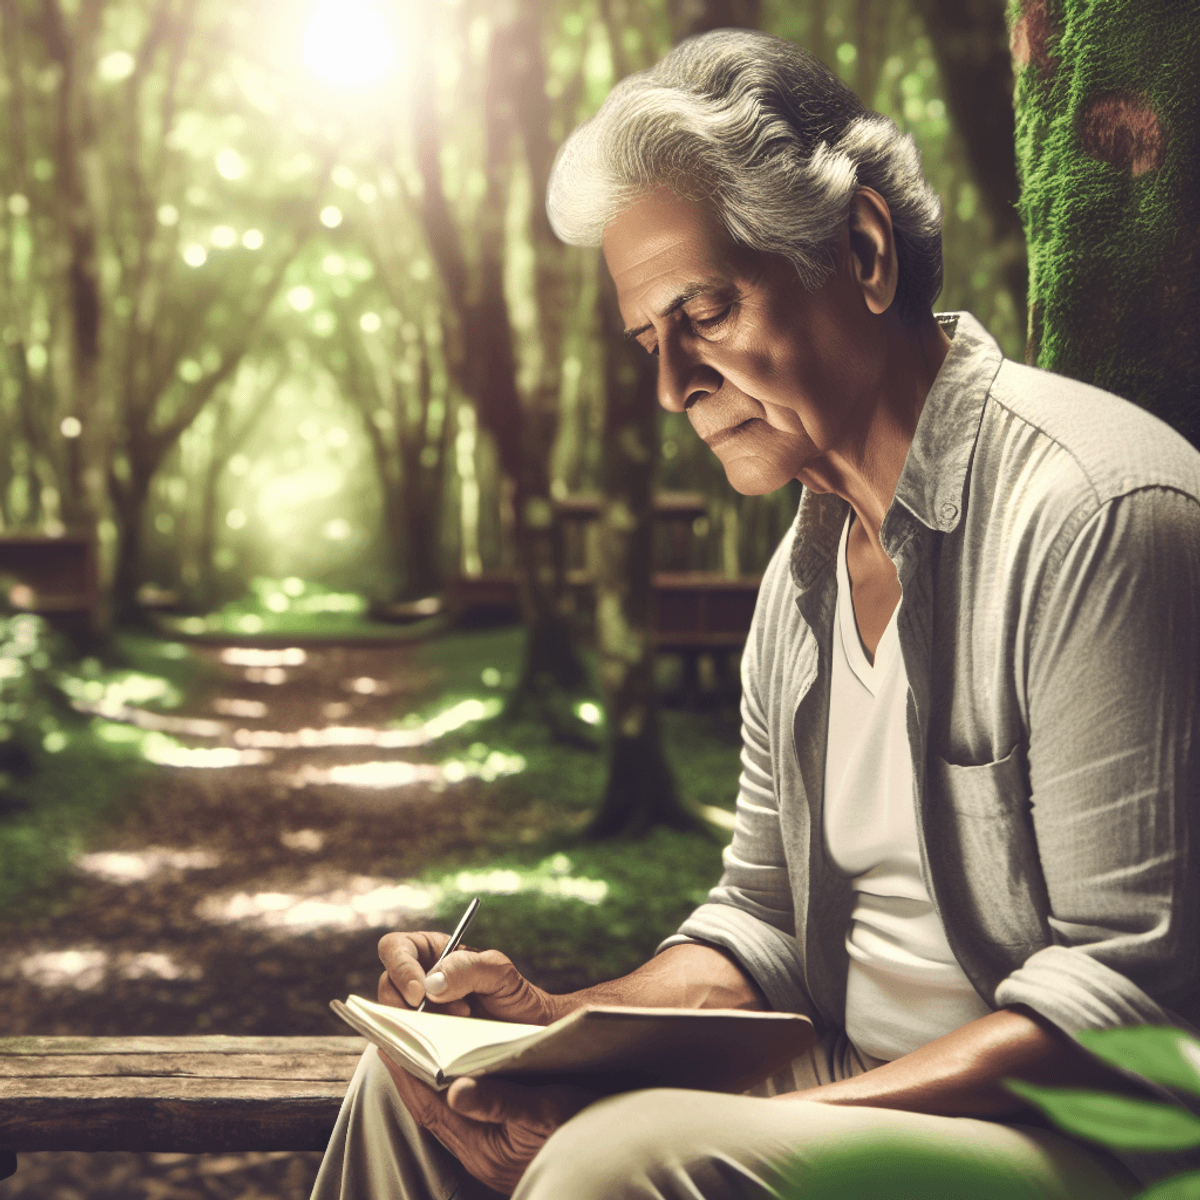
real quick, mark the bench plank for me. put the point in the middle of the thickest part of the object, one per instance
(296, 1065)
(187, 1095)
(200, 1044)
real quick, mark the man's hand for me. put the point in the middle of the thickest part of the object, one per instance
(493, 1127)
(478, 983)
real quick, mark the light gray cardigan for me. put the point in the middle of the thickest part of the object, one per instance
(1047, 540)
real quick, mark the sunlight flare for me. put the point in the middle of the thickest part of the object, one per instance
(350, 43)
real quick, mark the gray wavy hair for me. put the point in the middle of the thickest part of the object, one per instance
(757, 127)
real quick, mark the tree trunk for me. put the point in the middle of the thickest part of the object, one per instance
(421, 495)
(690, 17)
(640, 792)
(128, 510)
(1108, 142)
(970, 44)
(480, 354)
(552, 658)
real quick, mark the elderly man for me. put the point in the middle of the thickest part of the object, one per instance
(969, 693)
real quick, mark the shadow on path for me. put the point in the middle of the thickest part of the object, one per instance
(240, 900)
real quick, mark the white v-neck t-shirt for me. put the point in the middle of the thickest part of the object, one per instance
(905, 986)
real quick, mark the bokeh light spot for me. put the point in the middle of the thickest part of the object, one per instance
(230, 164)
(301, 298)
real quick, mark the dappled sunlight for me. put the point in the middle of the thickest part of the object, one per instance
(484, 764)
(134, 866)
(368, 775)
(326, 902)
(359, 902)
(248, 656)
(85, 968)
(247, 710)
(410, 735)
(169, 753)
(364, 685)
(309, 840)
(272, 676)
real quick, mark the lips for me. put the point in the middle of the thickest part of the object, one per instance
(713, 440)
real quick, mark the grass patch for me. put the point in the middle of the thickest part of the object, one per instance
(649, 885)
(59, 779)
(68, 797)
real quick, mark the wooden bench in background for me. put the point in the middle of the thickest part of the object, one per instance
(698, 613)
(188, 1095)
(54, 577)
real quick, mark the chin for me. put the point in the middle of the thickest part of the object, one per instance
(753, 477)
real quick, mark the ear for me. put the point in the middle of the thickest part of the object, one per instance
(873, 249)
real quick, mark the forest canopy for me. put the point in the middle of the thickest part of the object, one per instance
(280, 299)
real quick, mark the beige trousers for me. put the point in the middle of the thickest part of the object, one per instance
(670, 1144)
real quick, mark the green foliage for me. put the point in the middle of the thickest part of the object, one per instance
(649, 885)
(1159, 1052)
(619, 902)
(293, 607)
(892, 1166)
(1178, 1187)
(1117, 1121)
(1107, 129)
(57, 777)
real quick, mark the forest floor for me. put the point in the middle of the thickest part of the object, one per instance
(240, 900)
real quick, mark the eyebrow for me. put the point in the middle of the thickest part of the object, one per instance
(689, 293)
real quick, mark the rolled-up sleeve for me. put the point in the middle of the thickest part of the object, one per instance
(1111, 695)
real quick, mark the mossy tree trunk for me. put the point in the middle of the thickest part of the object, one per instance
(640, 792)
(1108, 147)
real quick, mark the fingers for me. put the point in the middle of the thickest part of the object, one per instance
(488, 978)
(405, 957)
(497, 1101)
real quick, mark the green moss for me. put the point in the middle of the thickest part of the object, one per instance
(1108, 123)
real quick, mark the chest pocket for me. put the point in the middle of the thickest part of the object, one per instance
(983, 857)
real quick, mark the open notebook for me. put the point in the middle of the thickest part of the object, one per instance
(605, 1048)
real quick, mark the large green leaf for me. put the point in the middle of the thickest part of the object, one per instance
(891, 1166)
(1116, 1121)
(1151, 1050)
(1178, 1187)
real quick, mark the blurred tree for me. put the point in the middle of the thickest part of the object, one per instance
(232, 419)
(1108, 141)
(391, 385)
(690, 17)
(640, 791)
(970, 43)
(480, 352)
(121, 119)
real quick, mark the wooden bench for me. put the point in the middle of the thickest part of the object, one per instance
(698, 613)
(188, 1095)
(54, 577)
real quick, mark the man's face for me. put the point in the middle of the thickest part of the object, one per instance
(771, 376)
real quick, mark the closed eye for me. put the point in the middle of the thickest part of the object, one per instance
(713, 323)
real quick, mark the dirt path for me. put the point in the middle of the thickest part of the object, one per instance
(240, 899)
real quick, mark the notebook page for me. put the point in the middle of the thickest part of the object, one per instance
(440, 1039)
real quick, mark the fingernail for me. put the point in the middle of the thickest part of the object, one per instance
(414, 993)
(435, 982)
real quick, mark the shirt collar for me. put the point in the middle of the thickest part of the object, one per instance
(934, 476)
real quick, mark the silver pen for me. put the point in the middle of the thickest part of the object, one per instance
(460, 931)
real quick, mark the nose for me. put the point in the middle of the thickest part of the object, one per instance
(682, 378)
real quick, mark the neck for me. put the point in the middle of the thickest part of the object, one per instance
(865, 470)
